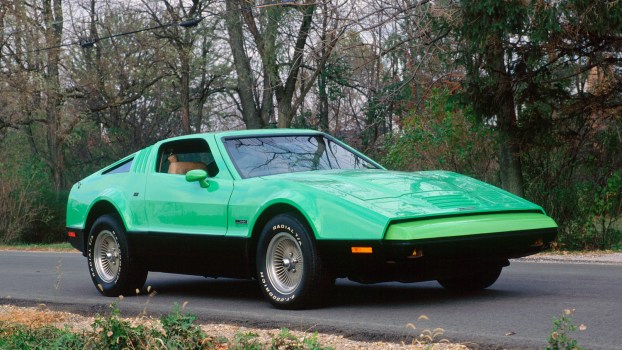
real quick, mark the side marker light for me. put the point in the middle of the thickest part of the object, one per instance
(362, 250)
(71, 234)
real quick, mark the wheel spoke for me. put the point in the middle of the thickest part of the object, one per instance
(106, 256)
(284, 263)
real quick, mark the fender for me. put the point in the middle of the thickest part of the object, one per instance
(325, 213)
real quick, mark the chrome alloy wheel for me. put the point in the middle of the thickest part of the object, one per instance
(107, 256)
(284, 263)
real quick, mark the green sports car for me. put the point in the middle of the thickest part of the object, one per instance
(293, 209)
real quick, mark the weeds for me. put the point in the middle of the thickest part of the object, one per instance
(246, 341)
(178, 331)
(285, 340)
(561, 338)
(427, 336)
(17, 337)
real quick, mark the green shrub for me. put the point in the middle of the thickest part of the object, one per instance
(18, 337)
(246, 341)
(29, 210)
(445, 137)
(21, 208)
(584, 198)
(180, 332)
(114, 333)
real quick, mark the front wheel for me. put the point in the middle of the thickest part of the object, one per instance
(111, 267)
(475, 280)
(289, 268)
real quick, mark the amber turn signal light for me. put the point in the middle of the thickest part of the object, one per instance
(362, 250)
(417, 253)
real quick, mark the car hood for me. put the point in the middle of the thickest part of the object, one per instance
(400, 195)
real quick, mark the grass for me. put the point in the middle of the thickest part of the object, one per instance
(43, 247)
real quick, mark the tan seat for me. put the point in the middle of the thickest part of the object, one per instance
(182, 168)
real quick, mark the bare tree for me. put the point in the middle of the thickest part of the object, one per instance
(281, 56)
(183, 41)
(33, 80)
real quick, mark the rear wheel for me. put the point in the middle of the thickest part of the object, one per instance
(289, 268)
(112, 269)
(477, 279)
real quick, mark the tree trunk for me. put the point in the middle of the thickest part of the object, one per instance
(285, 93)
(322, 82)
(204, 88)
(250, 113)
(508, 131)
(53, 15)
(184, 80)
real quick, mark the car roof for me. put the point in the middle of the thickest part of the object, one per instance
(264, 132)
(248, 133)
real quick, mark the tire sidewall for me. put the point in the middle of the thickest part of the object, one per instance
(109, 223)
(289, 225)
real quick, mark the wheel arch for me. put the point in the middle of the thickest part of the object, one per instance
(265, 216)
(98, 209)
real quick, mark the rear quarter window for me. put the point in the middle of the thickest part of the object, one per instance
(120, 168)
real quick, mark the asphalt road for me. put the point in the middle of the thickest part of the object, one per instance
(516, 312)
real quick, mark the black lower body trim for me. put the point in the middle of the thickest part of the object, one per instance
(194, 254)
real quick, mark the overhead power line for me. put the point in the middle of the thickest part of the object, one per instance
(90, 42)
(283, 3)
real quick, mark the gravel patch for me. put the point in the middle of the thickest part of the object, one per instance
(603, 258)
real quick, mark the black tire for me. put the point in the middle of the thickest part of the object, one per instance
(112, 269)
(478, 279)
(289, 269)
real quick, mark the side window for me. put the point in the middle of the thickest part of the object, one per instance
(120, 168)
(180, 156)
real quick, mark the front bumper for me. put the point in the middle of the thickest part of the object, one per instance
(430, 258)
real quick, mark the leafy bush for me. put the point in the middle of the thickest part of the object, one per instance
(114, 333)
(18, 337)
(580, 185)
(30, 211)
(443, 137)
(180, 332)
(21, 207)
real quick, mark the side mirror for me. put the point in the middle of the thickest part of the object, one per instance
(199, 175)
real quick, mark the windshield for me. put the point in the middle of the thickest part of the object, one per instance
(261, 156)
